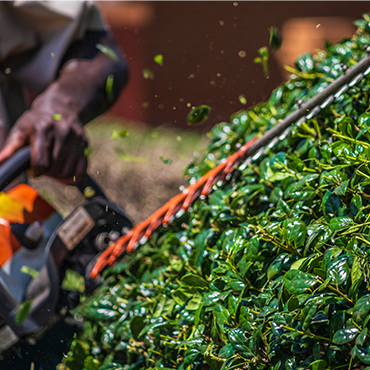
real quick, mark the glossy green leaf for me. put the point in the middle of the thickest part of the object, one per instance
(331, 205)
(345, 335)
(318, 365)
(339, 223)
(295, 232)
(356, 271)
(361, 338)
(226, 351)
(303, 280)
(338, 270)
(363, 354)
(361, 309)
(307, 315)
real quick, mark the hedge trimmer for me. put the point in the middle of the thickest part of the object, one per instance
(46, 262)
(249, 152)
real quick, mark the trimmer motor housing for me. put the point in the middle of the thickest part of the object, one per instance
(37, 254)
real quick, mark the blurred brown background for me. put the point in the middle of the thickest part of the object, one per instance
(201, 43)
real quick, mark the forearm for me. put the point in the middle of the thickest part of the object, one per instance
(81, 87)
(53, 125)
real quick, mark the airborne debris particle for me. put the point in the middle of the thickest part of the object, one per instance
(148, 74)
(56, 117)
(107, 51)
(166, 160)
(118, 133)
(222, 23)
(159, 59)
(198, 115)
(275, 38)
(242, 99)
(318, 25)
(242, 54)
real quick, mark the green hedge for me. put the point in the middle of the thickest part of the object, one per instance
(272, 270)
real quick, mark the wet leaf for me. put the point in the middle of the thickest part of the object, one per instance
(303, 280)
(345, 335)
(339, 223)
(338, 270)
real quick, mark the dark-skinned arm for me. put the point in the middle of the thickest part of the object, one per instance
(53, 125)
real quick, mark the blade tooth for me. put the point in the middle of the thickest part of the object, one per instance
(244, 165)
(285, 133)
(299, 122)
(341, 91)
(356, 80)
(258, 154)
(313, 112)
(179, 213)
(367, 72)
(328, 101)
(272, 143)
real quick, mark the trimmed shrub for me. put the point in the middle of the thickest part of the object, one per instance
(271, 271)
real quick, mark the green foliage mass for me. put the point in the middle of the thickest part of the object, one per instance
(271, 271)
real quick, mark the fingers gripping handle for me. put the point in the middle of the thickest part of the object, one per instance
(21, 161)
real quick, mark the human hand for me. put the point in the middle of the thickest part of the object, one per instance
(57, 143)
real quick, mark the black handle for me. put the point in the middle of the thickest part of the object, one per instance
(14, 166)
(21, 161)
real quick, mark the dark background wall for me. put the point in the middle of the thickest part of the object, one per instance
(201, 43)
